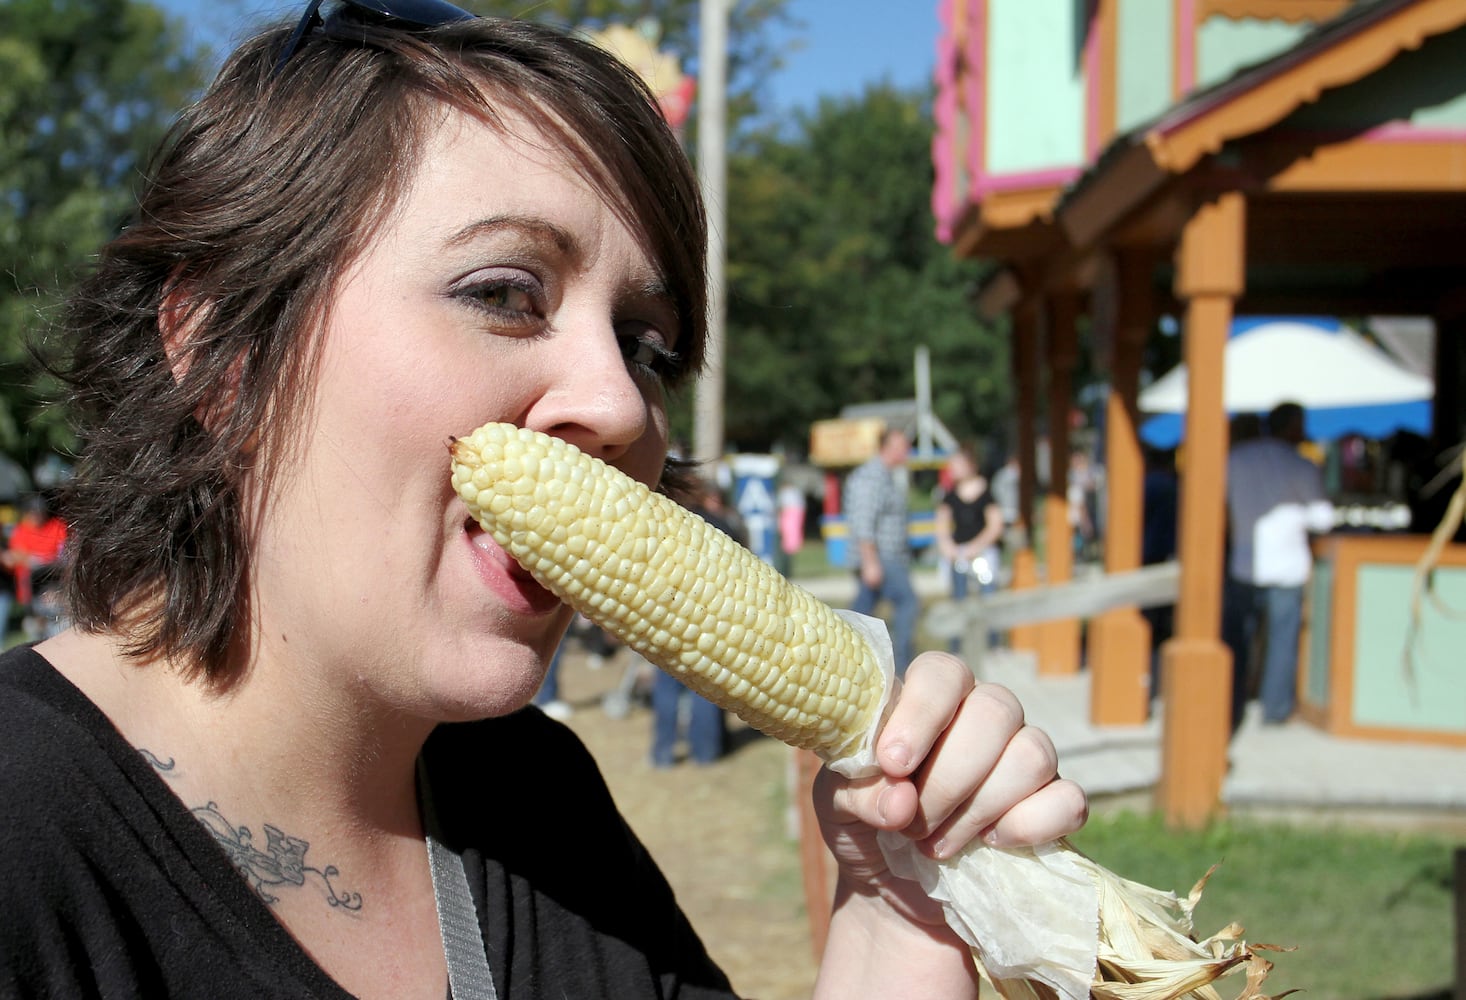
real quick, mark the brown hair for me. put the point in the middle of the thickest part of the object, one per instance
(264, 192)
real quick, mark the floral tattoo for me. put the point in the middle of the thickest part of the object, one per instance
(281, 863)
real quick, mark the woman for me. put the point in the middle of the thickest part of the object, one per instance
(969, 526)
(289, 642)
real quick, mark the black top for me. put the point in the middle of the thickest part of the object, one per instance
(112, 888)
(968, 519)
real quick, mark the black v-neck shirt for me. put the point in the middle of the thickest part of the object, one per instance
(110, 887)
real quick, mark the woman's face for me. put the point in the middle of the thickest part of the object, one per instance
(501, 289)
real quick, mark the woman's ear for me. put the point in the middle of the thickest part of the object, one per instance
(179, 319)
(182, 322)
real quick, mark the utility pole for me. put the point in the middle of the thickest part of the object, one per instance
(712, 167)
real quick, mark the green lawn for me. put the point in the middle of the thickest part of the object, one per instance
(1371, 914)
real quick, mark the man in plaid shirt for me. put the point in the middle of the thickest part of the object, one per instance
(875, 510)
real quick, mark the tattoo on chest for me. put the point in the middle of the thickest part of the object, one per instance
(280, 865)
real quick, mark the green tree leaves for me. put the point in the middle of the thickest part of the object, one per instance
(835, 277)
(89, 87)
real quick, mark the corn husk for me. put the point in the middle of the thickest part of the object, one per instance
(1050, 923)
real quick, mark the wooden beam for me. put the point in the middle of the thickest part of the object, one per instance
(1146, 587)
(1177, 147)
(1119, 640)
(1196, 666)
(1025, 380)
(1361, 164)
(1059, 641)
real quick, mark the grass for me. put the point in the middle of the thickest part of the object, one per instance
(1371, 914)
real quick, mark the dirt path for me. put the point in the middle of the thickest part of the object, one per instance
(723, 834)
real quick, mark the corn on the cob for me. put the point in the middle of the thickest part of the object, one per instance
(699, 605)
(673, 587)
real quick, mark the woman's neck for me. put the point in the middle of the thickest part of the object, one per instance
(285, 752)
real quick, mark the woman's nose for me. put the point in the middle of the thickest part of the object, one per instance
(592, 401)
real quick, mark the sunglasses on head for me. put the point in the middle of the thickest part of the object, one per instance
(412, 13)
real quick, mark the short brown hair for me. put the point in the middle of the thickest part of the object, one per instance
(262, 195)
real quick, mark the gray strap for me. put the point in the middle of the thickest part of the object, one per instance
(463, 942)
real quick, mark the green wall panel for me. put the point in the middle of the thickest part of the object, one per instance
(1432, 695)
(1225, 46)
(1035, 85)
(1144, 72)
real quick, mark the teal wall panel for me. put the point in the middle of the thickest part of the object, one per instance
(1225, 46)
(1144, 70)
(1035, 85)
(1431, 693)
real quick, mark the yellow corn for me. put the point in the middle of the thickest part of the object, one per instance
(672, 587)
(699, 605)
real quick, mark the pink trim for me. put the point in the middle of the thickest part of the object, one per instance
(1092, 82)
(975, 95)
(1185, 47)
(944, 139)
(998, 183)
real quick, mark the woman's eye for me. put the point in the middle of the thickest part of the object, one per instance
(515, 298)
(646, 354)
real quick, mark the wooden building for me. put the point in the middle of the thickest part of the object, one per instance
(1125, 160)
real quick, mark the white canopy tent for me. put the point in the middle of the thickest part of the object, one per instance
(1344, 383)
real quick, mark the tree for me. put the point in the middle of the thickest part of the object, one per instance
(88, 88)
(835, 277)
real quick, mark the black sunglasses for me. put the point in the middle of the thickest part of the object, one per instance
(414, 13)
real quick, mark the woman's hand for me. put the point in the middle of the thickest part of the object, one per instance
(959, 763)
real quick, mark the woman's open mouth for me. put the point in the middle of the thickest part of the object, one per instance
(511, 582)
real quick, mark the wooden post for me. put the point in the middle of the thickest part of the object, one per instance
(1196, 666)
(1059, 640)
(1459, 882)
(1024, 638)
(814, 856)
(1119, 640)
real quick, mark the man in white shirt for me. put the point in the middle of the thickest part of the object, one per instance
(1275, 501)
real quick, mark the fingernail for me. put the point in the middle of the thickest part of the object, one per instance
(899, 754)
(881, 802)
(941, 849)
(990, 837)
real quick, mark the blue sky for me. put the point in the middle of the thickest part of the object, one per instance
(847, 43)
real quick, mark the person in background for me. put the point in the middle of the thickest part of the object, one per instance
(791, 503)
(1276, 503)
(1160, 508)
(33, 556)
(875, 505)
(676, 709)
(969, 529)
(291, 717)
(1085, 483)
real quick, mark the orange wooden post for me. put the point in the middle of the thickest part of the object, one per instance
(1059, 639)
(1025, 638)
(1119, 639)
(1196, 666)
(814, 856)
